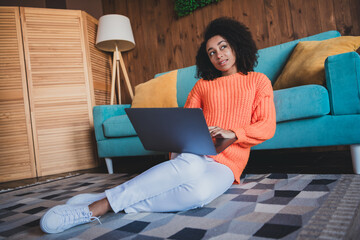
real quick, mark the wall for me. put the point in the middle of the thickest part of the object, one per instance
(22, 3)
(164, 42)
(93, 7)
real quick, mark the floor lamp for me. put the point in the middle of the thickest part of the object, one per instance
(115, 35)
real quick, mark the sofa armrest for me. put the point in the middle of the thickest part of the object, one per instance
(103, 112)
(342, 74)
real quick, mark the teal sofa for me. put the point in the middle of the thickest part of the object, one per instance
(307, 116)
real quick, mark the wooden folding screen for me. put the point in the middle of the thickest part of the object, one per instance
(16, 145)
(66, 76)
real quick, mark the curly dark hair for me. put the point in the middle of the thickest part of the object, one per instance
(240, 40)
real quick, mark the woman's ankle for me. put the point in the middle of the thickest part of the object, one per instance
(100, 207)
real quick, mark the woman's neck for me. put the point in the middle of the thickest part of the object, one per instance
(231, 71)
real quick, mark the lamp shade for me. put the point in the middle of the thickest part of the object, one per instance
(114, 30)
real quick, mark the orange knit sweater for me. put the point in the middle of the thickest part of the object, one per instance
(241, 103)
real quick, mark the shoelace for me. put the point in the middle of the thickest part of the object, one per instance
(95, 218)
(80, 215)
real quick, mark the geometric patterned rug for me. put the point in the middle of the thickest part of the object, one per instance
(263, 206)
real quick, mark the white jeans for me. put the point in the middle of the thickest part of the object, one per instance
(185, 182)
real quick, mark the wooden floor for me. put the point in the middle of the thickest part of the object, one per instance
(308, 161)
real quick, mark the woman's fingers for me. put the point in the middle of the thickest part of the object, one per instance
(222, 133)
(212, 128)
(215, 131)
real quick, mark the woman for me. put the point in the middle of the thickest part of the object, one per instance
(237, 103)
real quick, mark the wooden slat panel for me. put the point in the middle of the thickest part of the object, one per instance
(16, 148)
(344, 21)
(142, 51)
(279, 21)
(59, 90)
(304, 15)
(327, 15)
(100, 68)
(251, 13)
(355, 17)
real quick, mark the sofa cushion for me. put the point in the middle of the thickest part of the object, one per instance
(118, 126)
(306, 64)
(158, 92)
(186, 79)
(272, 60)
(301, 102)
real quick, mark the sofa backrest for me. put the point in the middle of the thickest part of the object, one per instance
(271, 61)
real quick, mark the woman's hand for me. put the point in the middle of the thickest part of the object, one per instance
(218, 132)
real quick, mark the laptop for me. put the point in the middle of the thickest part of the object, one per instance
(178, 130)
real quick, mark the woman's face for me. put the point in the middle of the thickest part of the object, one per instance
(221, 55)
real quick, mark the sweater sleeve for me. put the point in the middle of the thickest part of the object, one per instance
(263, 120)
(194, 98)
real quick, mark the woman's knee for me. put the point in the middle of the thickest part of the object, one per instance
(203, 194)
(210, 187)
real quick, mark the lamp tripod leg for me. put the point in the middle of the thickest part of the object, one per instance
(118, 80)
(113, 77)
(127, 81)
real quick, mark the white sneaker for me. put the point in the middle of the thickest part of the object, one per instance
(63, 217)
(86, 198)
